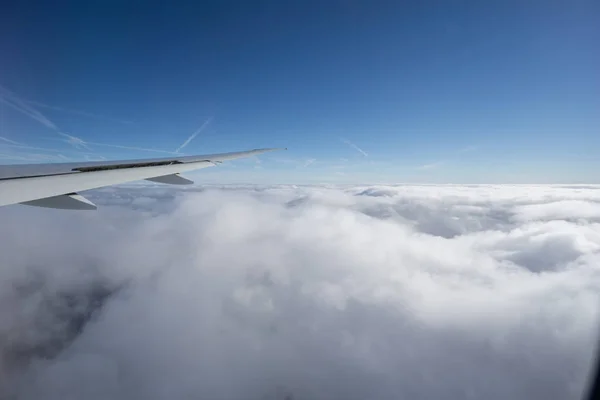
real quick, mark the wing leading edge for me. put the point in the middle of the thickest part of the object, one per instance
(56, 185)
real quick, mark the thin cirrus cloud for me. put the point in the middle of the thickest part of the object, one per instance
(303, 292)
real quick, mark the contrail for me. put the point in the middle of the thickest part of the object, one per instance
(34, 157)
(9, 98)
(355, 147)
(24, 146)
(8, 140)
(130, 147)
(96, 158)
(28, 156)
(12, 100)
(13, 157)
(32, 113)
(77, 112)
(188, 140)
(309, 162)
(117, 146)
(75, 141)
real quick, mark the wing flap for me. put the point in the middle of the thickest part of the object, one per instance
(173, 179)
(125, 165)
(71, 201)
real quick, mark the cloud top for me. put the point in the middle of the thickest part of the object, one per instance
(309, 292)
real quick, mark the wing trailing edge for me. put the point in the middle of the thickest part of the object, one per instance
(56, 185)
(21, 190)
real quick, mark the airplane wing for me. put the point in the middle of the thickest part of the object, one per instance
(56, 185)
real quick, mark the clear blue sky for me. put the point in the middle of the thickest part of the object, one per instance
(359, 91)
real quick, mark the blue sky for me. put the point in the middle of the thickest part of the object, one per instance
(421, 91)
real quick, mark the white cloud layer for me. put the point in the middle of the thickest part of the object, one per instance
(284, 292)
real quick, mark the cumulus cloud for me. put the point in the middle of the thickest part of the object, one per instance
(294, 292)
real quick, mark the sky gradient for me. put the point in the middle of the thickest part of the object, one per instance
(423, 91)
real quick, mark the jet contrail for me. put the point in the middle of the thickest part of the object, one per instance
(34, 157)
(13, 157)
(117, 146)
(355, 147)
(130, 147)
(28, 111)
(77, 112)
(188, 140)
(75, 141)
(12, 100)
(309, 162)
(9, 98)
(8, 140)
(24, 146)
(96, 158)
(23, 155)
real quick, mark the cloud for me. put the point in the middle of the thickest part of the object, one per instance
(306, 291)
(193, 135)
(355, 147)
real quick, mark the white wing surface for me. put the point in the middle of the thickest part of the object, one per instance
(56, 185)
